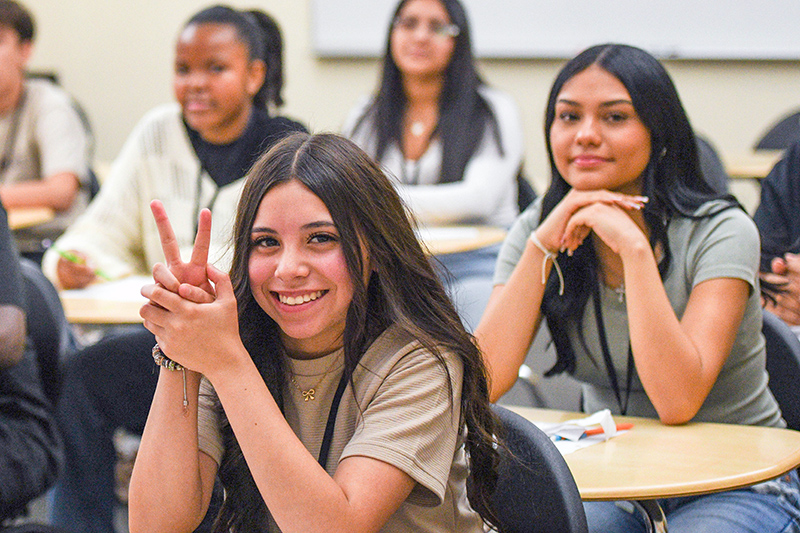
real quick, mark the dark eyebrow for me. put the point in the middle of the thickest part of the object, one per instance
(604, 104)
(310, 225)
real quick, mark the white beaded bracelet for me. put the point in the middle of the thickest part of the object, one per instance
(548, 255)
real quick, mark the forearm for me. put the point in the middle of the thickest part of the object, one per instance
(511, 320)
(12, 335)
(57, 192)
(166, 489)
(668, 363)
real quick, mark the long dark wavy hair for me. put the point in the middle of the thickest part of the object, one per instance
(262, 36)
(672, 179)
(463, 113)
(402, 290)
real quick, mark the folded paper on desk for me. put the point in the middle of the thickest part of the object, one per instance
(581, 432)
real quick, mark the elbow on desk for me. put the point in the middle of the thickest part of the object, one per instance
(677, 413)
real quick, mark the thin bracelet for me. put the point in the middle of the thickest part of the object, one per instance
(548, 255)
(169, 364)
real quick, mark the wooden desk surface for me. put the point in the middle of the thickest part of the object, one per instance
(654, 460)
(453, 239)
(755, 165)
(24, 217)
(85, 311)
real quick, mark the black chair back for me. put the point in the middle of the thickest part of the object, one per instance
(525, 193)
(783, 367)
(782, 134)
(48, 328)
(536, 492)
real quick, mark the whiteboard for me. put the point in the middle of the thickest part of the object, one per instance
(691, 29)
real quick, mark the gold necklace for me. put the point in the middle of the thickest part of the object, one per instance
(310, 393)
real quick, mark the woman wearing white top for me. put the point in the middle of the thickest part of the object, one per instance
(453, 144)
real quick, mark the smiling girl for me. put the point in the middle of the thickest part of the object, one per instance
(335, 386)
(647, 278)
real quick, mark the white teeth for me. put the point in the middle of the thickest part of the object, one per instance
(297, 300)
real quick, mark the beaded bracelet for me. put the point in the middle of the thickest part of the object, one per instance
(548, 255)
(164, 361)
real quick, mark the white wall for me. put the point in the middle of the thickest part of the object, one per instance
(115, 57)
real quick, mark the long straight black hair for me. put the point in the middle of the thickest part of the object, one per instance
(672, 178)
(463, 113)
(402, 290)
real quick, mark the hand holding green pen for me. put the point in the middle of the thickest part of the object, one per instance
(78, 260)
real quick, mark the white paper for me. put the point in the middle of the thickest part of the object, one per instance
(568, 436)
(127, 289)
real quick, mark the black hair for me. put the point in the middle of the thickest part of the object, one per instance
(463, 113)
(672, 178)
(262, 36)
(402, 290)
(15, 16)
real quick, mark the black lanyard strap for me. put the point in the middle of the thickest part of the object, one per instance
(325, 449)
(8, 149)
(610, 370)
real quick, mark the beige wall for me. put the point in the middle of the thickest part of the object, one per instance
(115, 57)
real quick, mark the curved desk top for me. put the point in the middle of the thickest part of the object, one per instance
(441, 240)
(755, 165)
(654, 460)
(24, 217)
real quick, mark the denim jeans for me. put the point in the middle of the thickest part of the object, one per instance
(769, 507)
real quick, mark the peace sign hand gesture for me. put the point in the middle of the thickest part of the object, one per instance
(177, 272)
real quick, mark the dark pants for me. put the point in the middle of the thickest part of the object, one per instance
(106, 386)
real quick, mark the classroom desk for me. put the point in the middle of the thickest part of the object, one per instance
(24, 217)
(755, 165)
(654, 460)
(101, 312)
(453, 239)
(106, 303)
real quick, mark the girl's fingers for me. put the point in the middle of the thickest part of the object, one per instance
(164, 277)
(221, 281)
(169, 244)
(195, 294)
(202, 241)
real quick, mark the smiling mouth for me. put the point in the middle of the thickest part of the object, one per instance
(300, 299)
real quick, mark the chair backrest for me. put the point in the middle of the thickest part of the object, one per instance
(48, 328)
(711, 165)
(782, 134)
(525, 193)
(535, 489)
(783, 367)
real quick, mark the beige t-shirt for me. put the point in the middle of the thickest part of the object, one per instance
(402, 413)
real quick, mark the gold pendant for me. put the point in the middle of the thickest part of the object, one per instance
(308, 394)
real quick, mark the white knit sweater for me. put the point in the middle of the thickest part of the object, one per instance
(118, 232)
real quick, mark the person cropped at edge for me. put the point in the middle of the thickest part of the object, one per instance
(228, 70)
(453, 143)
(43, 143)
(333, 355)
(30, 448)
(778, 220)
(652, 290)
